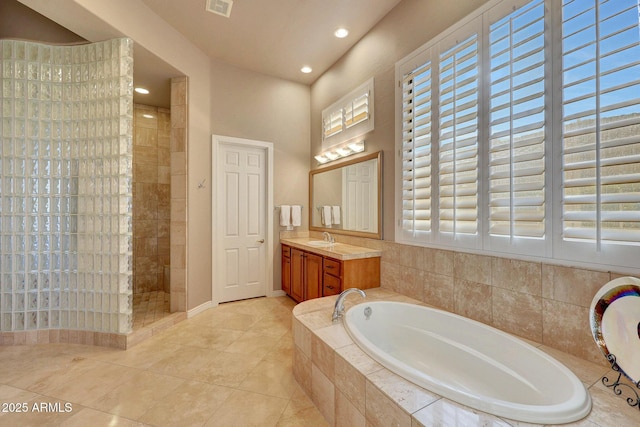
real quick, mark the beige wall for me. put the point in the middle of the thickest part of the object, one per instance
(408, 26)
(258, 107)
(19, 22)
(255, 106)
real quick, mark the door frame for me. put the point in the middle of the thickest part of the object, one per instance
(267, 147)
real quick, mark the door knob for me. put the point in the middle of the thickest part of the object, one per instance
(260, 241)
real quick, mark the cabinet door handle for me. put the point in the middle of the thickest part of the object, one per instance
(330, 287)
(330, 267)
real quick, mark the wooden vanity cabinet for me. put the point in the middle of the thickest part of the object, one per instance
(286, 269)
(361, 273)
(296, 276)
(312, 276)
(306, 275)
(331, 277)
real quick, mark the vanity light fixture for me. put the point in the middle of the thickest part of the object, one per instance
(341, 33)
(321, 159)
(147, 116)
(142, 90)
(332, 155)
(306, 69)
(340, 152)
(357, 147)
(343, 151)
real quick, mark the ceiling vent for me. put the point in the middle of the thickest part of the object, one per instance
(220, 7)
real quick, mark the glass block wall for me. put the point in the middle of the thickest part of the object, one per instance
(66, 186)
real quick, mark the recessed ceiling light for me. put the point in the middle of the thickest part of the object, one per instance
(306, 69)
(341, 33)
(142, 90)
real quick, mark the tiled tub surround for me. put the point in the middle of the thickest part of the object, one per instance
(545, 303)
(351, 389)
(468, 362)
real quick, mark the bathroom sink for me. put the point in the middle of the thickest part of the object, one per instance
(320, 243)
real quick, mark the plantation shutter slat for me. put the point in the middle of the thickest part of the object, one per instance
(516, 102)
(333, 124)
(601, 123)
(357, 110)
(517, 124)
(526, 186)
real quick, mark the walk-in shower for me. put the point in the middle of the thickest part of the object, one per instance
(66, 190)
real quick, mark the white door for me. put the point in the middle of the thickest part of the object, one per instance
(241, 216)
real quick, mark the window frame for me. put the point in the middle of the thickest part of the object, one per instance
(603, 253)
(552, 247)
(340, 107)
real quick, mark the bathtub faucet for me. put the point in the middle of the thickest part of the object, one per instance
(338, 309)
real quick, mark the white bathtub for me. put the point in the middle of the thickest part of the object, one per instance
(468, 362)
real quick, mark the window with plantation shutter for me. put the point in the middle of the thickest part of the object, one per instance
(458, 138)
(517, 126)
(601, 122)
(350, 117)
(518, 132)
(416, 150)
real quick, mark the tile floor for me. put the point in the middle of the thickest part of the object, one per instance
(228, 366)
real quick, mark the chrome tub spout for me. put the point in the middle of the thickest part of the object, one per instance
(338, 309)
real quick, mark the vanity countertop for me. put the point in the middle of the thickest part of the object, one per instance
(341, 251)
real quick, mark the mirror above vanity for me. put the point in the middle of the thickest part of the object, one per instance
(346, 198)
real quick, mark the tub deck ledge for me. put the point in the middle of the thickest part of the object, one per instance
(348, 385)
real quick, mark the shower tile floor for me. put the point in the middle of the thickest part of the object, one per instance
(228, 366)
(149, 307)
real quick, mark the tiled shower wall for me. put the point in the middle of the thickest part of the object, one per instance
(545, 303)
(179, 145)
(151, 197)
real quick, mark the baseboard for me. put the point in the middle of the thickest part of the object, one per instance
(199, 309)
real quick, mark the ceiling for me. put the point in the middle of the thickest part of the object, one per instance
(275, 37)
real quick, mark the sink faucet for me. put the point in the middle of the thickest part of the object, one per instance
(338, 309)
(327, 237)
